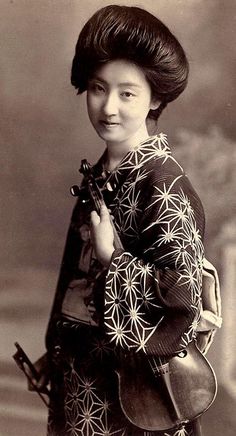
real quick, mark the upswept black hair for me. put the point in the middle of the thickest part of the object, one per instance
(131, 33)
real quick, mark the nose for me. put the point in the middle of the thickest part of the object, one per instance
(110, 106)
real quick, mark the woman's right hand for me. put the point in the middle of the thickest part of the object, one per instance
(42, 367)
(102, 235)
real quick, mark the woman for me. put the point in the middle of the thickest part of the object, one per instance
(143, 298)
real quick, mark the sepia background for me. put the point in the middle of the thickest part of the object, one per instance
(44, 134)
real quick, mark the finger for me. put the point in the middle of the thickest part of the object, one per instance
(95, 219)
(39, 385)
(32, 384)
(104, 213)
(42, 383)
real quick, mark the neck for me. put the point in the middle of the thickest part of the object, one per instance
(117, 151)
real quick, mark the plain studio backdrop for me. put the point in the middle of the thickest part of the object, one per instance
(45, 133)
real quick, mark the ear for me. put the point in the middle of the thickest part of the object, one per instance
(154, 104)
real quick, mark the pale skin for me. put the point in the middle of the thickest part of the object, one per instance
(118, 101)
(102, 235)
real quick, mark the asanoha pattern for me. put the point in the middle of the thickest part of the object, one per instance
(148, 301)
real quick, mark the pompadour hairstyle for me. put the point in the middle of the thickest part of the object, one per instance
(131, 33)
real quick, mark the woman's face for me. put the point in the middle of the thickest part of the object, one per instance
(118, 101)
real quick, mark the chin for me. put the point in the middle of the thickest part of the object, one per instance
(109, 136)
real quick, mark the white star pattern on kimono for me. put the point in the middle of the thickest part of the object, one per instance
(181, 432)
(92, 416)
(150, 300)
(124, 310)
(175, 228)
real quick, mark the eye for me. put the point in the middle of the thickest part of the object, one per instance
(127, 94)
(97, 88)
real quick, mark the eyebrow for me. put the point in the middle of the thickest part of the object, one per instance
(119, 84)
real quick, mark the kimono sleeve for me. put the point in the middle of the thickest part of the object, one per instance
(152, 302)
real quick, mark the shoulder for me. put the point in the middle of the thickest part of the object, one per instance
(165, 175)
(158, 161)
(155, 153)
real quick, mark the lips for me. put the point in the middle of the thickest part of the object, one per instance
(108, 123)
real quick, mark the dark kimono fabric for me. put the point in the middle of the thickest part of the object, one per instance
(148, 301)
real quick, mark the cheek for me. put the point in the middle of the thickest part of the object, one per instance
(91, 112)
(140, 108)
(92, 104)
(138, 112)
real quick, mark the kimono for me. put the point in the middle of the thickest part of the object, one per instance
(147, 301)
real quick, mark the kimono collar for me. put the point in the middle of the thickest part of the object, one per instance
(152, 148)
